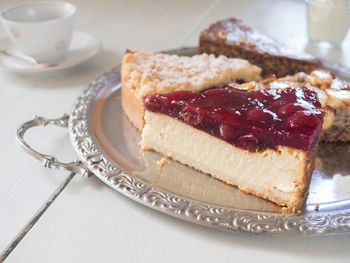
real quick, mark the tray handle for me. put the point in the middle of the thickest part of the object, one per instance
(48, 160)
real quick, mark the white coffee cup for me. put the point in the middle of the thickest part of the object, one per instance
(42, 30)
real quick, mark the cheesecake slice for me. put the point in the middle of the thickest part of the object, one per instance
(144, 73)
(232, 38)
(264, 142)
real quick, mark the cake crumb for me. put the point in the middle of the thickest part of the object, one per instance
(117, 98)
(252, 44)
(185, 116)
(317, 206)
(222, 35)
(161, 162)
(244, 189)
(285, 210)
(243, 41)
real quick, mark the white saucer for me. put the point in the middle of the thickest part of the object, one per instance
(83, 47)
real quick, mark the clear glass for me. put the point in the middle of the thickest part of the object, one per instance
(328, 21)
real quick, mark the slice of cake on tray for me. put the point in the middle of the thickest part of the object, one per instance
(144, 73)
(264, 141)
(232, 38)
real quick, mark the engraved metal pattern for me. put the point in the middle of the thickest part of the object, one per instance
(47, 160)
(221, 218)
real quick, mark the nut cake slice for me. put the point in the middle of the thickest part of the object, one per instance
(264, 142)
(144, 73)
(232, 38)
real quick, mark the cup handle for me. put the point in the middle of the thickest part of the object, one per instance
(48, 160)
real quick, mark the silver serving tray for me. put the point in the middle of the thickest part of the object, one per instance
(108, 147)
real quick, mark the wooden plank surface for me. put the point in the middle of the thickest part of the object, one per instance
(25, 185)
(89, 222)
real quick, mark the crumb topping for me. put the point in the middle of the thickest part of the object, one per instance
(317, 207)
(149, 73)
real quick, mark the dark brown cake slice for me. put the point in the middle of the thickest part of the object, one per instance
(232, 38)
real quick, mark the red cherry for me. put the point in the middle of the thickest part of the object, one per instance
(231, 117)
(193, 114)
(227, 132)
(249, 142)
(277, 103)
(151, 103)
(288, 96)
(260, 116)
(303, 119)
(265, 94)
(312, 97)
(289, 109)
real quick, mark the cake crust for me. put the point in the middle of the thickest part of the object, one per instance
(132, 105)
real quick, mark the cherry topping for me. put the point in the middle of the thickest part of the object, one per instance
(248, 142)
(230, 117)
(302, 119)
(264, 95)
(277, 103)
(250, 120)
(260, 116)
(193, 114)
(227, 132)
(289, 109)
(152, 103)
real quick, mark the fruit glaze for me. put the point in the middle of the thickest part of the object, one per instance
(253, 121)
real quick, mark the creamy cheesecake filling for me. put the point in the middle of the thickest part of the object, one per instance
(277, 175)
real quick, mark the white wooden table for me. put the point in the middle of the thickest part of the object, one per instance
(52, 216)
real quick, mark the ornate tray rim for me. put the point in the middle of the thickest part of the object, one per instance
(232, 220)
